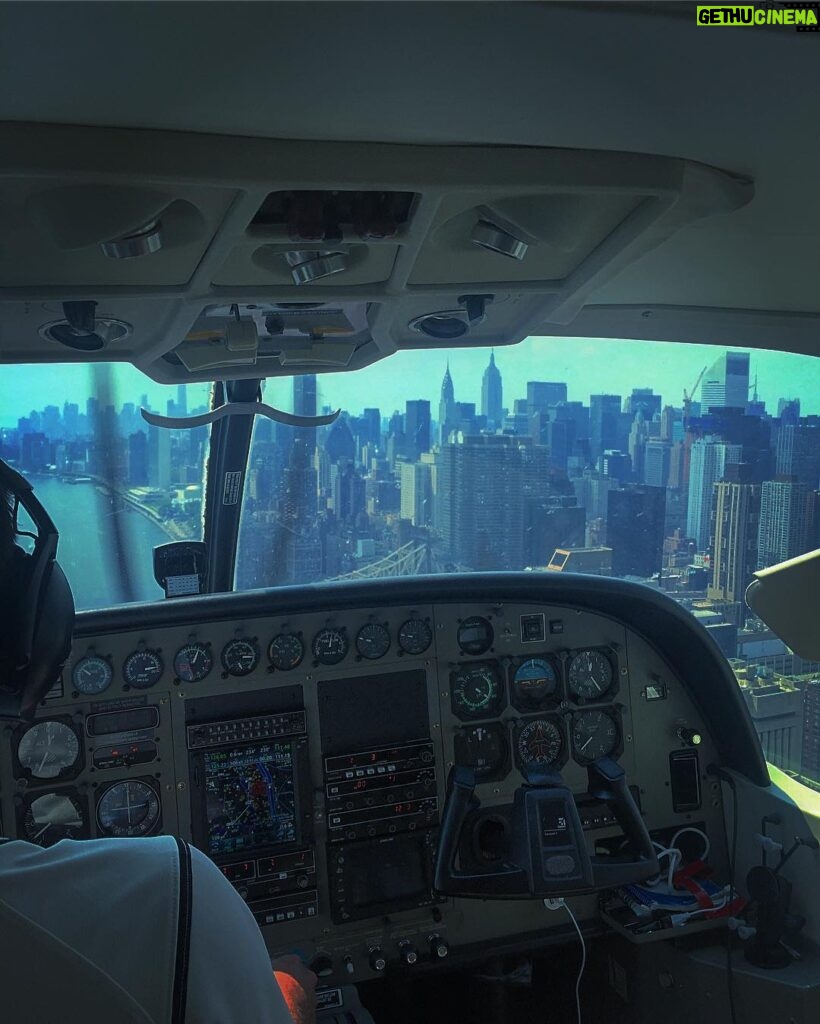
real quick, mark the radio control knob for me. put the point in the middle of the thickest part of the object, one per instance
(408, 954)
(439, 949)
(377, 959)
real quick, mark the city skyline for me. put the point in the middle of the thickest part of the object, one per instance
(587, 366)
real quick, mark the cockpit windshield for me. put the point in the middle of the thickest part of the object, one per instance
(684, 467)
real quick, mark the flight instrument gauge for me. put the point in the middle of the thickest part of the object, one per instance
(475, 635)
(142, 669)
(476, 691)
(415, 636)
(50, 817)
(373, 641)
(92, 674)
(330, 645)
(538, 745)
(535, 682)
(594, 734)
(48, 750)
(240, 656)
(286, 651)
(129, 808)
(483, 748)
(589, 675)
(193, 662)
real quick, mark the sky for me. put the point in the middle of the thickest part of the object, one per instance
(588, 366)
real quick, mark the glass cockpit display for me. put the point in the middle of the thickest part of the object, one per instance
(250, 798)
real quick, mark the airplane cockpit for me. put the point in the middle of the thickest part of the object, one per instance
(469, 705)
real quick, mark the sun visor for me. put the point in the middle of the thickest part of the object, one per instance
(786, 597)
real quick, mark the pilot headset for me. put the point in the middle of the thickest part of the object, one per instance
(36, 605)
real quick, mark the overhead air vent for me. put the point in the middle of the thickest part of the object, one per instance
(83, 330)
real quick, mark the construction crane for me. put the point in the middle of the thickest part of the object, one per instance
(688, 396)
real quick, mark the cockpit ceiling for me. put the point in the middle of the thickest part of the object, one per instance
(660, 188)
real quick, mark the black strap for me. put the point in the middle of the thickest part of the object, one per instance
(183, 935)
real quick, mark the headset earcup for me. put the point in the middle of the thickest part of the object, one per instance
(52, 639)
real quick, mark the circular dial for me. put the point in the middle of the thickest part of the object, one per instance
(373, 641)
(92, 674)
(51, 817)
(193, 662)
(475, 635)
(415, 636)
(142, 669)
(330, 646)
(240, 656)
(286, 651)
(589, 675)
(482, 748)
(538, 744)
(534, 682)
(128, 809)
(48, 749)
(476, 691)
(594, 734)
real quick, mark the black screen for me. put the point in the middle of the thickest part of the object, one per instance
(387, 872)
(250, 798)
(684, 771)
(372, 711)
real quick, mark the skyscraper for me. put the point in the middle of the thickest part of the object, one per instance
(491, 395)
(798, 452)
(604, 422)
(656, 463)
(708, 463)
(644, 400)
(811, 730)
(638, 436)
(734, 552)
(447, 411)
(417, 428)
(480, 525)
(634, 529)
(543, 394)
(726, 382)
(784, 522)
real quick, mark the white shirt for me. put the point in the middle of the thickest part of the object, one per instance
(88, 932)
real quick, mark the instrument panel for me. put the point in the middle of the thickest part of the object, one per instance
(307, 753)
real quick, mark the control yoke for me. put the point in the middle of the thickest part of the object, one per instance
(548, 856)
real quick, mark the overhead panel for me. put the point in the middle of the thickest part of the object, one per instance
(198, 256)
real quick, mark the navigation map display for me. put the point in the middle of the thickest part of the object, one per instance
(250, 800)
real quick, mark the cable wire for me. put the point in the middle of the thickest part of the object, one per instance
(583, 960)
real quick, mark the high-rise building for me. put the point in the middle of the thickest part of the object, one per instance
(644, 400)
(417, 492)
(708, 461)
(638, 436)
(777, 714)
(447, 411)
(557, 522)
(182, 400)
(492, 395)
(788, 411)
(656, 463)
(159, 458)
(479, 524)
(543, 394)
(138, 459)
(417, 428)
(798, 452)
(340, 444)
(371, 427)
(726, 383)
(634, 529)
(604, 422)
(734, 545)
(784, 522)
(616, 464)
(811, 730)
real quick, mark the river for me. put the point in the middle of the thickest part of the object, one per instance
(83, 515)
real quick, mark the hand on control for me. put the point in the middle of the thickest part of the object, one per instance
(298, 985)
